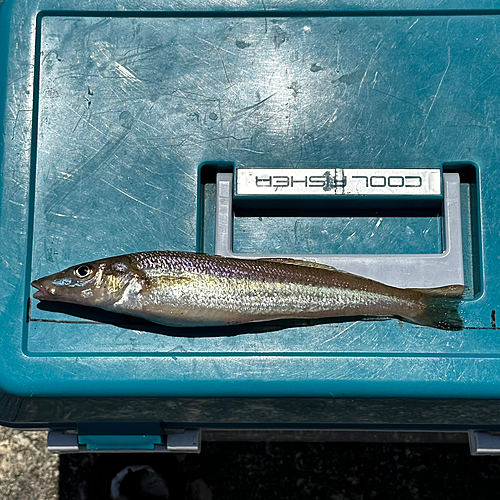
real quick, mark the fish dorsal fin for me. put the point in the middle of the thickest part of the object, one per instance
(298, 262)
(444, 291)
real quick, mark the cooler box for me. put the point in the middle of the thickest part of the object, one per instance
(360, 134)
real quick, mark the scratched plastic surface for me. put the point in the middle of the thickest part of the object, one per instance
(101, 155)
(346, 235)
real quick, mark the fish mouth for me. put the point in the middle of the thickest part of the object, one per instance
(43, 293)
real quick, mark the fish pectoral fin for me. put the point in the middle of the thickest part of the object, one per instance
(164, 281)
(298, 262)
(173, 280)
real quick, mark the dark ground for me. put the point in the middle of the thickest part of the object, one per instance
(277, 470)
(336, 470)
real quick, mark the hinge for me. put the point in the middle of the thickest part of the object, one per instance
(484, 443)
(62, 442)
(185, 441)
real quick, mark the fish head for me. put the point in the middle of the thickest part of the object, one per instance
(100, 283)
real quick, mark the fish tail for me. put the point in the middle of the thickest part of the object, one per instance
(440, 312)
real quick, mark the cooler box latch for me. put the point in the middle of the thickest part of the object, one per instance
(185, 441)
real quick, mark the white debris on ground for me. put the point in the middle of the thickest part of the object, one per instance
(27, 470)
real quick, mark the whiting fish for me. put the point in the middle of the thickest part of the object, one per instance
(185, 289)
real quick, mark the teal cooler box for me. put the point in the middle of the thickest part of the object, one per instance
(128, 127)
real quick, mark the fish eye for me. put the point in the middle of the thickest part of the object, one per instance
(83, 271)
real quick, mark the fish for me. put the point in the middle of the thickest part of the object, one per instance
(186, 289)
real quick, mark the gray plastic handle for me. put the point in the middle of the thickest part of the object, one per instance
(400, 270)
